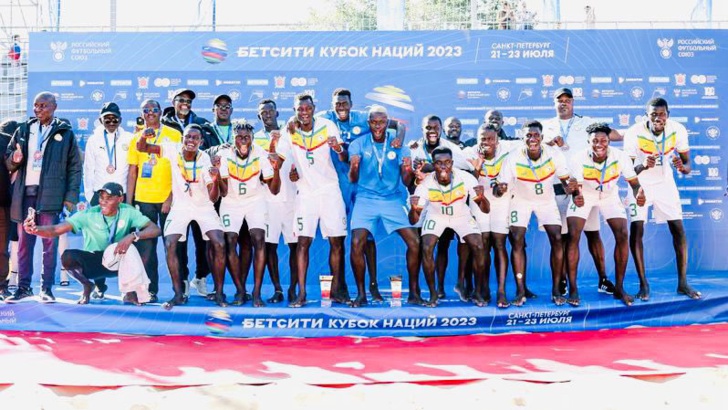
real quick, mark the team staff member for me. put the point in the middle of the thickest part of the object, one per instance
(149, 184)
(450, 196)
(352, 124)
(120, 221)
(598, 170)
(379, 172)
(46, 157)
(658, 146)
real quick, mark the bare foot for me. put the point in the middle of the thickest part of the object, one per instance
(502, 301)
(340, 298)
(291, 294)
(277, 297)
(360, 301)
(479, 300)
(177, 300)
(644, 293)
(441, 294)
(257, 301)
(530, 294)
(299, 302)
(374, 291)
(238, 299)
(620, 294)
(461, 293)
(415, 300)
(688, 291)
(131, 299)
(574, 299)
(219, 298)
(432, 302)
(520, 299)
(86, 294)
(558, 299)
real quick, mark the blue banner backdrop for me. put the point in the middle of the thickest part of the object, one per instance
(612, 74)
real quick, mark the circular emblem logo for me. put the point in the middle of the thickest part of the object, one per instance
(214, 51)
(391, 155)
(218, 322)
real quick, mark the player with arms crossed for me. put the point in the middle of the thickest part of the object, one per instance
(597, 171)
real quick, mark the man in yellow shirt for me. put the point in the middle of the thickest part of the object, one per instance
(150, 185)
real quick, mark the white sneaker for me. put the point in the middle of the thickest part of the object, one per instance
(200, 285)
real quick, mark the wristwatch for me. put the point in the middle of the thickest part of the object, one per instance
(136, 236)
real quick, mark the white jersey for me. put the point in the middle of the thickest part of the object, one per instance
(288, 188)
(449, 200)
(573, 131)
(601, 179)
(189, 178)
(244, 175)
(488, 173)
(458, 158)
(532, 180)
(311, 155)
(639, 142)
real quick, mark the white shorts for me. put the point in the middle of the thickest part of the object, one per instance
(609, 207)
(564, 202)
(462, 225)
(233, 214)
(663, 197)
(328, 209)
(497, 220)
(280, 222)
(546, 212)
(179, 219)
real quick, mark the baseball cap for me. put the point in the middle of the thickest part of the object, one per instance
(184, 91)
(563, 91)
(221, 97)
(113, 189)
(110, 108)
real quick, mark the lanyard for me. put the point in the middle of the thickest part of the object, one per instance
(182, 123)
(110, 152)
(42, 136)
(600, 188)
(309, 137)
(428, 156)
(664, 138)
(533, 169)
(565, 133)
(112, 229)
(380, 160)
(159, 132)
(183, 167)
(218, 133)
(237, 165)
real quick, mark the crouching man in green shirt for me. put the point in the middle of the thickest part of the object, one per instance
(110, 222)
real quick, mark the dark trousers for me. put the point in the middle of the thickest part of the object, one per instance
(148, 247)
(86, 264)
(5, 227)
(26, 246)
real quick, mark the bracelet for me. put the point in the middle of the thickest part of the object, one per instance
(136, 236)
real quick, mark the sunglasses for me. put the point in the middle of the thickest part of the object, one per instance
(151, 110)
(224, 106)
(183, 100)
(111, 120)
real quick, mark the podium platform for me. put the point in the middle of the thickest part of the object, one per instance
(452, 317)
